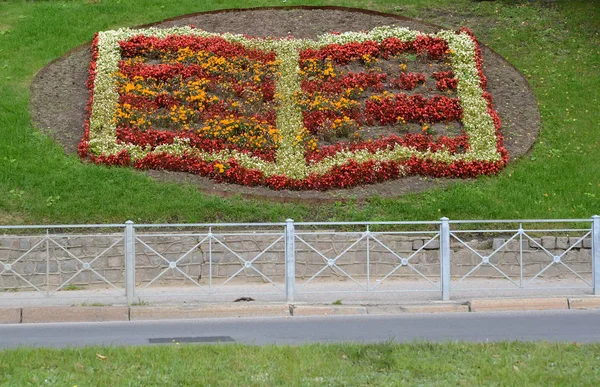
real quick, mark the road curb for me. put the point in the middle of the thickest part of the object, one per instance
(207, 311)
(592, 302)
(10, 315)
(508, 304)
(59, 314)
(326, 310)
(419, 308)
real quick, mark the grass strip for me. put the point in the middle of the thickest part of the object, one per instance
(508, 363)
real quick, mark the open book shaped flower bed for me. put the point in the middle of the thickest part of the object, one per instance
(340, 111)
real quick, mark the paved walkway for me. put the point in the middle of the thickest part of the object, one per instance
(346, 292)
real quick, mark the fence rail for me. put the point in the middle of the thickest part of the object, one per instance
(288, 259)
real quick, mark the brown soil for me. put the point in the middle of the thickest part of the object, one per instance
(58, 93)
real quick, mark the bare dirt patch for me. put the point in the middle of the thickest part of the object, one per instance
(59, 95)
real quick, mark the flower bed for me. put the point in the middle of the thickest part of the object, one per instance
(344, 110)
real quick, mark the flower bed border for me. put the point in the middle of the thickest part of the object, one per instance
(348, 167)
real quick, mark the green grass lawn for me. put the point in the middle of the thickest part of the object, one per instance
(555, 47)
(513, 364)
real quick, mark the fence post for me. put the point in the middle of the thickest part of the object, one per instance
(445, 258)
(129, 261)
(290, 261)
(596, 254)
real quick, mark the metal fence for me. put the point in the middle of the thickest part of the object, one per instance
(291, 259)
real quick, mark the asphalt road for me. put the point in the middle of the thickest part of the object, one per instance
(559, 326)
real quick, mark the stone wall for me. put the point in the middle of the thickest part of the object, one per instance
(80, 261)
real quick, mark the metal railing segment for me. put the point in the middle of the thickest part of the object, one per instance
(292, 257)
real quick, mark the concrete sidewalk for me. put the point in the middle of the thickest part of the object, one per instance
(405, 291)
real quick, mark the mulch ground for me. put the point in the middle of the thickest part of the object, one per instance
(59, 95)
